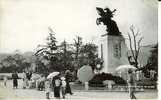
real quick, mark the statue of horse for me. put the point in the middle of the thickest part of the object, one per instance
(106, 18)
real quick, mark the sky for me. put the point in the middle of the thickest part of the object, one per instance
(24, 23)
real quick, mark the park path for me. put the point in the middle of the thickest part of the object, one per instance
(7, 93)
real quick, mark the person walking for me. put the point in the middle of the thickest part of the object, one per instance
(47, 88)
(42, 83)
(24, 80)
(56, 84)
(15, 77)
(152, 74)
(27, 79)
(137, 75)
(68, 77)
(63, 86)
(131, 84)
(5, 80)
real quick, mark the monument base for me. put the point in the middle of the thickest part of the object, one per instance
(113, 51)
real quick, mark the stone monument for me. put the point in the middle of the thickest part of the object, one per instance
(112, 47)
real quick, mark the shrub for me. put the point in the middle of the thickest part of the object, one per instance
(98, 79)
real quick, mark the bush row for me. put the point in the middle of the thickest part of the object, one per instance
(98, 79)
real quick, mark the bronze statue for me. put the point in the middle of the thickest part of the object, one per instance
(106, 18)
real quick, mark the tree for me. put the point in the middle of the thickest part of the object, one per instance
(77, 44)
(66, 56)
(152, 63)
(49, 53)
(153, 60)
(135, 45)
(8, 64)
(89, 55)
(41, 68)
(64, 53)
(20, 61)
(15, 62)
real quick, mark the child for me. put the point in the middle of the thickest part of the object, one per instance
(63, 86)
(47, 88)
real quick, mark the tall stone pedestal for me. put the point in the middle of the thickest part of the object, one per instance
(113, 51)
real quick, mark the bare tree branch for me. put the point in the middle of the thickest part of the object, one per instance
(139, 45)
(131, 45)
(40, 51)
(135, 43)
(137, 33)
(134, 39)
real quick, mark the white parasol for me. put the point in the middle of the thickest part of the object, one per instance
(35, 76)
(125, 68)
(53, 74)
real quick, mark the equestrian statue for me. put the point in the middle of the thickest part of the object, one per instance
(106, 16)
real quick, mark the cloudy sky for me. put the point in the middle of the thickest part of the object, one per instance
(24, 23)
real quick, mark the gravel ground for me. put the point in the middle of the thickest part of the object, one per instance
(7, 93)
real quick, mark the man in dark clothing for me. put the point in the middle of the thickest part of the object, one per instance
(56, 82)
(68, 77)
(28, 75)
(15, 82)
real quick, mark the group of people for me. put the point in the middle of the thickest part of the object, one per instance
(59, 84)
(26, 77)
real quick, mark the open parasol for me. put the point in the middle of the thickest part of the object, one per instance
(125, 68)
(53, 74)
(35, 76)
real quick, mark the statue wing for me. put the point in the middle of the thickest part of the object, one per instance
(100, 11)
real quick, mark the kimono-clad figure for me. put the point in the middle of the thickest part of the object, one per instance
(56, 84)
(68, 77)
(15, 77)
